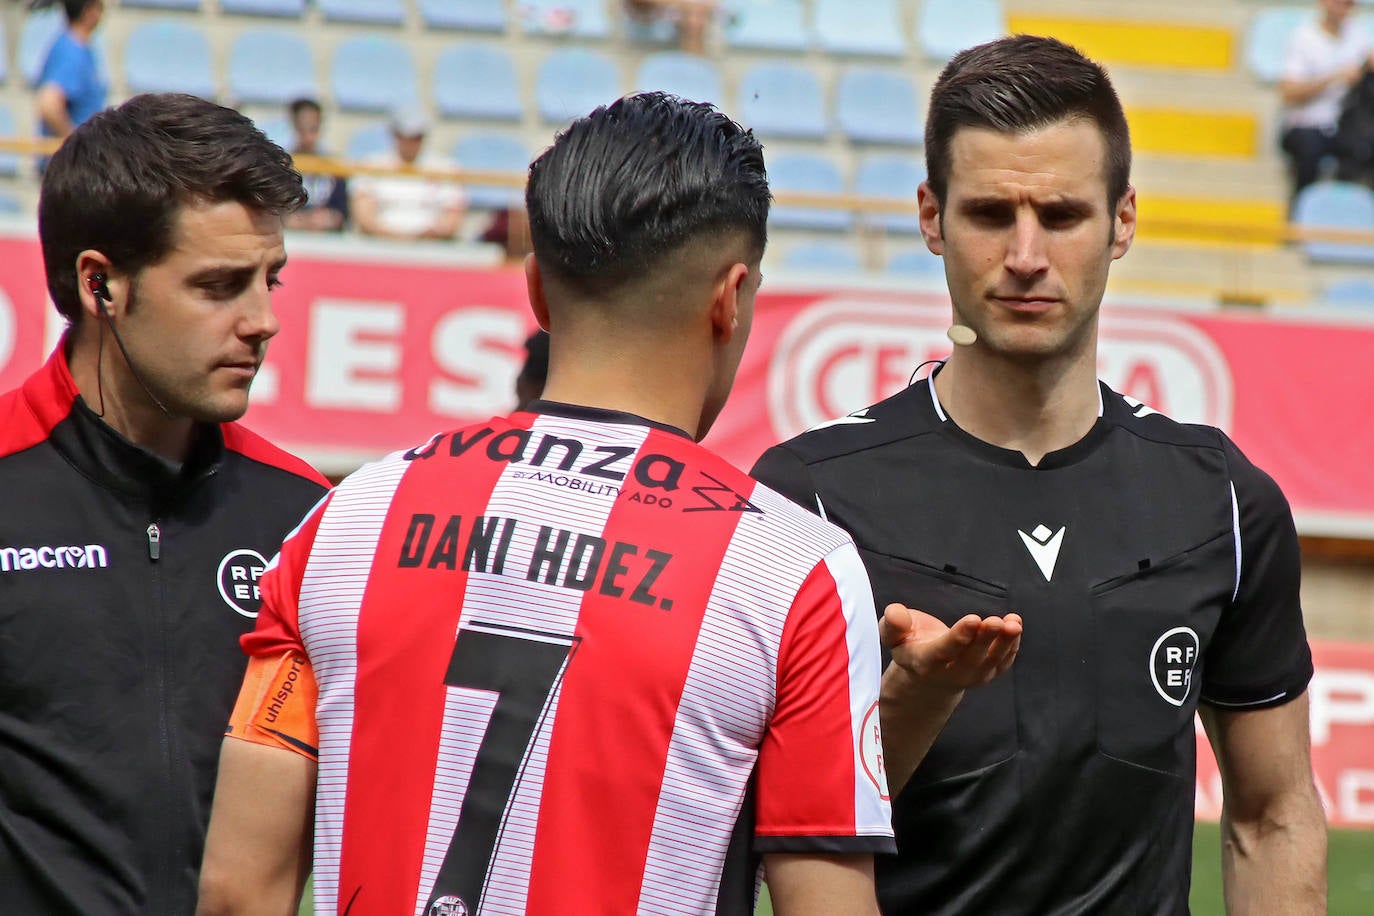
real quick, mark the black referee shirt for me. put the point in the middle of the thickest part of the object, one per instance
(1154, 566)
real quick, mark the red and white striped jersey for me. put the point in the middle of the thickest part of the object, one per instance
(571, 662)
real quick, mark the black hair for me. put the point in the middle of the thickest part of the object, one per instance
(118, 182)
(302, 104)
(71, 8)
(636, 180)
(1019, 84)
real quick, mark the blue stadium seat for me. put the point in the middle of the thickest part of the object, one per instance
(947, 27)
(1267, 37)
(686, 75)
(768, 25)
(916, 262)
(9, 162)
(870, 27)
(1352, 292)
(164, 4)
(469, 15)
(168, 56)
(824, 256)
(806, 173)
(367, 142)
(575, 18)
(287, 8)
(372, 73)
(36, 36)
(782, 100)
(10, 205)
(878, 106)
(375, 12)
(278, 130)
(892, 177)
(1336, 205)
(476, 81)
(494, 153)
(271, 65)
(571, 83)
(4, 54)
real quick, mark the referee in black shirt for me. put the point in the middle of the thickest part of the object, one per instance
(1155, 568)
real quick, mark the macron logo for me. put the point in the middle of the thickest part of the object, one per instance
(74, 557)
(1044, 545)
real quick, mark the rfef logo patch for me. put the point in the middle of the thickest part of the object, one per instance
(871, 751)
(238, 577)
(1172, 662)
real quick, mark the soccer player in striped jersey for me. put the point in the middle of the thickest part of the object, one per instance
(569, 661)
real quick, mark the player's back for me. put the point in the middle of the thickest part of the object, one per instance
(550, 689)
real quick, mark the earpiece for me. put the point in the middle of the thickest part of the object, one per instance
(99, 287)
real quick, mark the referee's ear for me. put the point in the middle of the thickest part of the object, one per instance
(932, 226)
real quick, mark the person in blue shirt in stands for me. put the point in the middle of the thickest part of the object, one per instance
(70, 86)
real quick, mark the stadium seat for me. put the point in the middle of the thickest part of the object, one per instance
(946, 27)
(895, 177)
(10, 205)
(469, 15)
(4, 54)
(571, 83)
(476, 81)
(878, 106)
(687, 75)
(782, 100)
(164, 4)
(809, 174)
(373, 74)
(36, 36)
(287, 8)
(375, 12)
(823, 256)
(1336, 205)
(575, 18)
(1352, 292)
(1267, 37)
(768, 25)
(916, 262)
(278, 130)
(271, 66)
(494, 153)
(367, 142)
(167, 56)
(869, 27)
(9, 162)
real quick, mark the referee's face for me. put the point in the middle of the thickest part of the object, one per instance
(1027, 236)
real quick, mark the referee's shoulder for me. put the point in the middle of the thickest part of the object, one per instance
(902, 416)
(1142, 420)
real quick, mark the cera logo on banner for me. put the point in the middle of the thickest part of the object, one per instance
(843, 354)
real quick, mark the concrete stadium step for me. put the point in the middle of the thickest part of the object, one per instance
(1221, 272)
(1262, 177)
(1138, 42)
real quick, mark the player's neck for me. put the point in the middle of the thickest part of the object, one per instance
(1033, 408)
(109, 388)
(653, 385)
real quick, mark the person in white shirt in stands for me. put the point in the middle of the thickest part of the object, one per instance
(405, 206)
(1325, 58)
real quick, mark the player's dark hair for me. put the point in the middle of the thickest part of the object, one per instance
(119, 180)
(1020, 84)
(636, 180)
(303, 104)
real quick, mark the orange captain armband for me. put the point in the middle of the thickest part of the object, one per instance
(276, 705)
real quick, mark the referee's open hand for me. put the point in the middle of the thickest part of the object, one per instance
(973, 651)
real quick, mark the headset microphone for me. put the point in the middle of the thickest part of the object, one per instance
(100, 288)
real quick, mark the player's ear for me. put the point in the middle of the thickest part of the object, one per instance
(726, 304)
(534, 283)
(1123, 223)
(932, 230)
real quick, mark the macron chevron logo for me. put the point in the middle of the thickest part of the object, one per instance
(856, 417)
(1044, 545)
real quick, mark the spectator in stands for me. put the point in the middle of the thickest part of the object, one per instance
(407, 206)
(327, 207)
(691, 16)
(1325, 58)
(70, 85)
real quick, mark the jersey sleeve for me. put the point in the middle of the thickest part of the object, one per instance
(820, 784)
(780, 469)
(1259, 655)
(278, 626)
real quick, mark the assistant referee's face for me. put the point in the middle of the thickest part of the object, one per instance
(1028, 235)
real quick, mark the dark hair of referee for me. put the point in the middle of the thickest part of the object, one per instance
(648, 219)
(1018, 85)
(117, 183)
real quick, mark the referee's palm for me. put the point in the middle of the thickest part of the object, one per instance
(971, 652)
